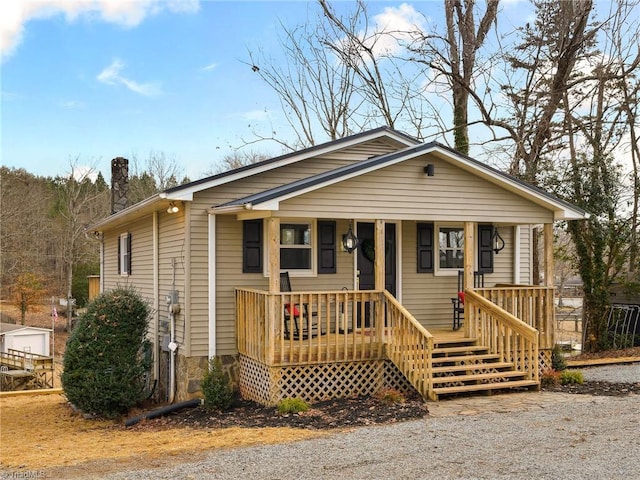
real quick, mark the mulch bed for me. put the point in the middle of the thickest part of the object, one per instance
(597, 388)
(340, 413)
(343, 413)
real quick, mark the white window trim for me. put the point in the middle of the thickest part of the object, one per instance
(310, 272)
(124, 253)
(445, 272)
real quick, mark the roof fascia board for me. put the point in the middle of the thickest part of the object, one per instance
(123, 215)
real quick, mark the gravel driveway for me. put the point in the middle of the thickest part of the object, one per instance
(540, 435)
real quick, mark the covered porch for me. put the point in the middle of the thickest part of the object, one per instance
(323, 344)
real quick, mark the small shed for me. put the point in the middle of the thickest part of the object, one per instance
(24, 338)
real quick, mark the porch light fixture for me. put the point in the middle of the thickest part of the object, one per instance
(430, 170)
(173, 208)
(349, 240)
(497, 241)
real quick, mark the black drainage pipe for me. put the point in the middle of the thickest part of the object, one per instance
(162, 411)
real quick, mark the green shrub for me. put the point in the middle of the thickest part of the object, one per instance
(106, 361)
(558, 362)
(571, 376)
(216, 387)
(292, 405)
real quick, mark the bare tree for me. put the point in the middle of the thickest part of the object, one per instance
(316, 91)
(78, 201)
(607, 241)
(453, 55)
(158, 173)
(237, 160)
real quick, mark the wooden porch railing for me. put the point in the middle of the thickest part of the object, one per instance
(334, 326)
(409, 346)
(533, 305)
(502, 333)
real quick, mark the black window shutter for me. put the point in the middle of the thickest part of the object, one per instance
(252, 246)
(129, 254)
(485, 248)
(326, 246)
(425, 247)
(119, 255)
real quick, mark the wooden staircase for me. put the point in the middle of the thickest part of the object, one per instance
(461, 366)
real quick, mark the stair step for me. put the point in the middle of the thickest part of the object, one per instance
(470, 349)
(476, 387)
(485, 357)
(479, 376)
(477, 366)
(443, 343)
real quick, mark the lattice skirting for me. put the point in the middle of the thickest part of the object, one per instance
(325, 381)
(314, 383)
(544, 360)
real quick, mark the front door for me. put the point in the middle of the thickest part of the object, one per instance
(366, 256)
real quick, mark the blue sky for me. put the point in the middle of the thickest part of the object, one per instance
(84, 82)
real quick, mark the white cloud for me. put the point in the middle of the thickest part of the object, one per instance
(111, 76)
(15, 14)
(396, 24)
(210, 67)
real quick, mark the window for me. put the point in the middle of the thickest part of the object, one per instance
(450, 247)
(296, 246)
(124, 254)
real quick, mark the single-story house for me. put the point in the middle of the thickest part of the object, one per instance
(335, 270)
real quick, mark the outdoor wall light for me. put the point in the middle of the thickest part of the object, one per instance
(173, 208)
(349, 240)
(430, 169)
(497, 241)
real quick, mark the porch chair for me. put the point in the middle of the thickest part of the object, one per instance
(296, 314)
(458, 301)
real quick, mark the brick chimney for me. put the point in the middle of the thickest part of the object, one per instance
(119, 184)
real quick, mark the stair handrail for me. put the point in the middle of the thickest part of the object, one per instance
(506, 337)
(409, 345)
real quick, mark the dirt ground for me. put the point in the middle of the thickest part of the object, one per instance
(43, 434)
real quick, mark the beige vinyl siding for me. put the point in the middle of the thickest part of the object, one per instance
(230, 276)
(141, 258)
(172, 246)
(428, 295)
(526, 254)
(229, 245)
(290, 173)
(404, 192)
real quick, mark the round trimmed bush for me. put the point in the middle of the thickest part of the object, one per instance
(106, 361)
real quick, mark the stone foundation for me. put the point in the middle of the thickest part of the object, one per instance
(190, 372)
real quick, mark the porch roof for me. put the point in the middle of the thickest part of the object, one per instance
(271, 198)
